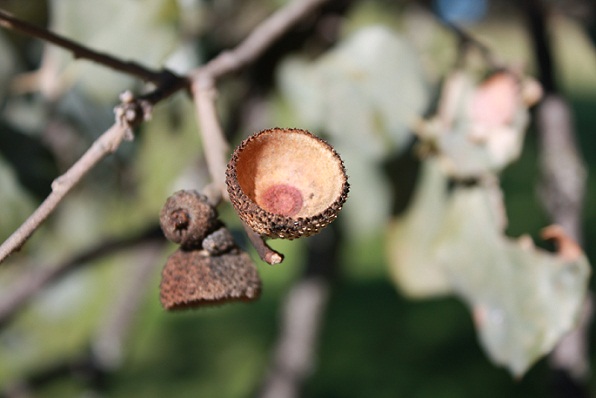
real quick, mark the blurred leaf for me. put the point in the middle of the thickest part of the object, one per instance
(32, 162)
(168, 157)
(524, 300)
(366, 93)
(168, 153)
(479, 128)
(15, 203)
(368, 206)
(142, 31)
(412, 238)
(7, 66)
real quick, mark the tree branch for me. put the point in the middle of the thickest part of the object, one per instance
(259, 40)
(109, 344)
(204, 93)
(132, 68)
(302, 316)
(562, 192)
(294, 353)
(129, 114)
(205, 78)
(107, 143)
(212, 135)
(133, 112)
(265, 252)
(105, 352)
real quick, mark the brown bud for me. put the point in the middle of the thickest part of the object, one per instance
(219, 242)
(193, 279)
(187, 218)
(286, 183)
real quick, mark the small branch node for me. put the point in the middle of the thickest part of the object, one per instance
(58, 183)
(265, 252)
(131, 113)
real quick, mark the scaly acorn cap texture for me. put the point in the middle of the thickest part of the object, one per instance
(286, 183)
(187, 218)
(193, 279)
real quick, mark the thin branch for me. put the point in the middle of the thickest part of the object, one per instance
(205, 77)
(467, 42)
(265, 252)
(21, 291)
(562, 169)
(204, 94)
(105, 354)
(293, 357)
(107, 143)
(303, 313)
(129, 114)
(214, 141)
(109, 344)
(536, 19)
(260, 39)
(132, 68)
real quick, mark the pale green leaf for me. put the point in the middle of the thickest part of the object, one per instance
(141, 31)
(368, 208)
(412, 260)
(524, 300)
(367, 93)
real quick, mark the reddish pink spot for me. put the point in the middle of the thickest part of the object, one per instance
(282, 199)
(495, 101)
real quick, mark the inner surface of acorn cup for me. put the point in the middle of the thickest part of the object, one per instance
(286, 183)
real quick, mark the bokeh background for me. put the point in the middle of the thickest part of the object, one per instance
(99, 330)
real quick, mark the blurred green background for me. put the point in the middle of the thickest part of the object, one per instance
(373, 341)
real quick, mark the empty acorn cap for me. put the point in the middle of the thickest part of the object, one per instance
(193, 278)
(286, 183)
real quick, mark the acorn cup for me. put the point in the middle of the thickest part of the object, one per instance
(208, 268)
(286, 183)
(194, 279)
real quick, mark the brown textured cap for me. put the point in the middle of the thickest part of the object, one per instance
(187, 218)
(286, 183)
(193, 279)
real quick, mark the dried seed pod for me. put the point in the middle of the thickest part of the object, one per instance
(219, 242)
(194, 279)
(286, 183)
(187, 217)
